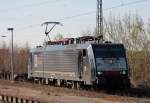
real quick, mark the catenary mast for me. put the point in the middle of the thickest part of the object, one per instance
(99, 21)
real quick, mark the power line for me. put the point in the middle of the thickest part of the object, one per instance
(81, 14)
(92, 12)
(25, 6)
(114, 7)
(126, 4)
(29, 5)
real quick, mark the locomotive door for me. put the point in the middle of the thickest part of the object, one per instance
(80, 64)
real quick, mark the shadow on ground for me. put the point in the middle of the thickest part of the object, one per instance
(132, 92)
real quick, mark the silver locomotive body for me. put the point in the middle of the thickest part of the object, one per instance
(88, 64)
(61, 62)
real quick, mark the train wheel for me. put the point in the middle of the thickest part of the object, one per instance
(58, 83)
(76, 85)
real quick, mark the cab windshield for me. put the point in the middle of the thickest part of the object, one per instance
(109, 51)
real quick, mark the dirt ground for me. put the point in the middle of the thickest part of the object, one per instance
(50, 94)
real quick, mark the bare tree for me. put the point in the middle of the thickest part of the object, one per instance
(87, 32)
(129, 30)
(58, 37)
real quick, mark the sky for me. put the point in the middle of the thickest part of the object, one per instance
(26, 17)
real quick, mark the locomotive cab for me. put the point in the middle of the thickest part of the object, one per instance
(111, 65)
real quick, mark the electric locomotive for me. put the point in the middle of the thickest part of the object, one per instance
(79, 61)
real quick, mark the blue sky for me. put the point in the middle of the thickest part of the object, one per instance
(26, 16)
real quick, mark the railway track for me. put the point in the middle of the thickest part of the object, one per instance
(16, 99)
(101, 93)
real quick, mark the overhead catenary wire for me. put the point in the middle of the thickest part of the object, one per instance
(46, 2)
(29, 5)
(81, 14)
(113, 7)
(126, 4)
(89, 13)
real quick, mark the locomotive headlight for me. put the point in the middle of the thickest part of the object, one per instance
(100, 73)
(124, 72)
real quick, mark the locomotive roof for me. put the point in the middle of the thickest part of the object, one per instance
(68, 47)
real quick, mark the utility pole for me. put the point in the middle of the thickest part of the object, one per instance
(12, 53)
(99, 21)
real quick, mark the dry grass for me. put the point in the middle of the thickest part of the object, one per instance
(65, 92)
(139, 63)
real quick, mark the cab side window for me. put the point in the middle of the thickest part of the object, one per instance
(84, 52)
